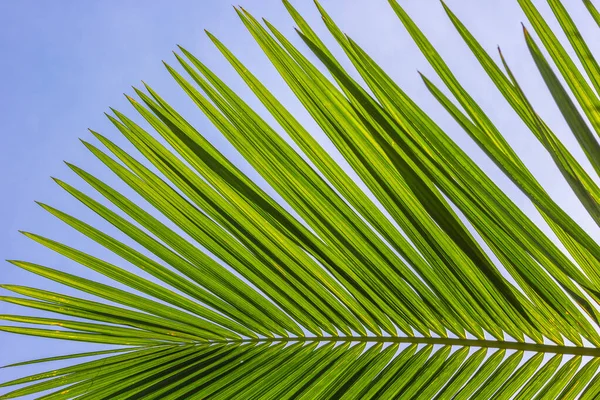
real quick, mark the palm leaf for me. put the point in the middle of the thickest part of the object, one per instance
(412, 275)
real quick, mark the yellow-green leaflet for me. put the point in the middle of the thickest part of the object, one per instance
(384, 261)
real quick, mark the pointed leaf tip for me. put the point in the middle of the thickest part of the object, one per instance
(210, 35)
(500, 52)
(28, 234)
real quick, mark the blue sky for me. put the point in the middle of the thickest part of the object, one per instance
(64, 63)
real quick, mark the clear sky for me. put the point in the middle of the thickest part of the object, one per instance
(64, 62)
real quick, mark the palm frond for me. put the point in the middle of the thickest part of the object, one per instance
(420, 279)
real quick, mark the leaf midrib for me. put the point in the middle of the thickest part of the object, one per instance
(520, 346)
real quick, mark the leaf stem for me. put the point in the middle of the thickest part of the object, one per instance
(543, 348)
